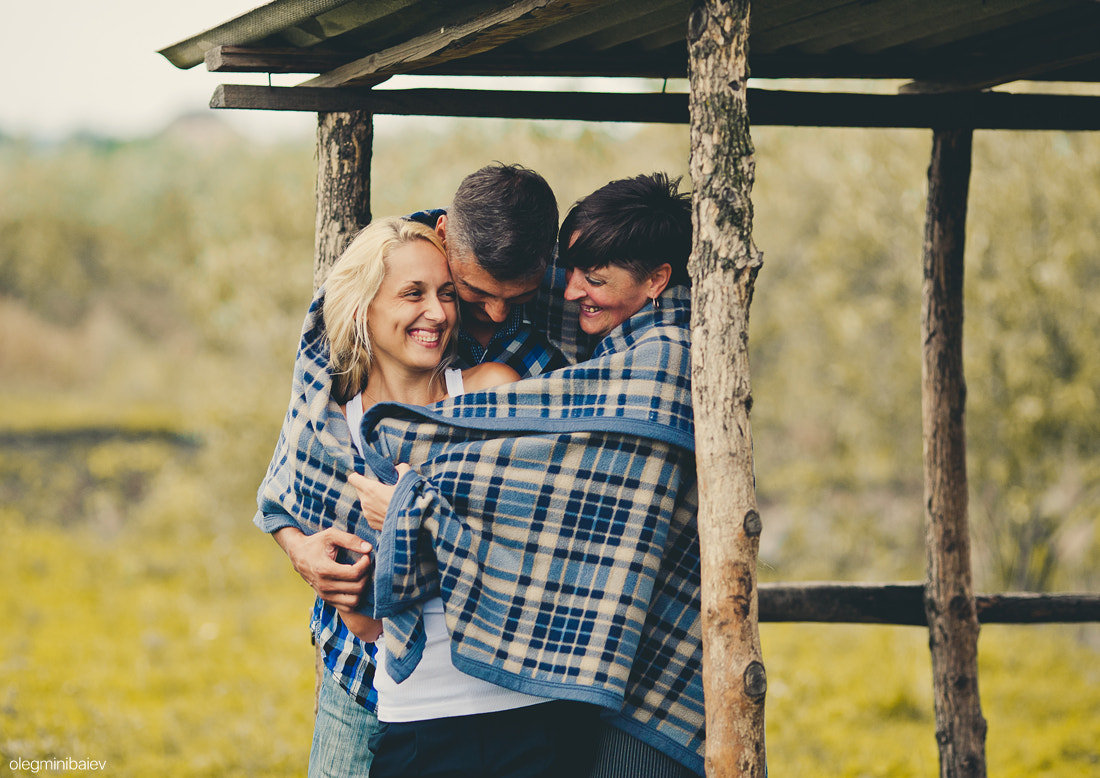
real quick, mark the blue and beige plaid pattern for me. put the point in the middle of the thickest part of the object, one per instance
(556, 517)
(516, 343)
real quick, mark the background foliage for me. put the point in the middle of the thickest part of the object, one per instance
(150, 299)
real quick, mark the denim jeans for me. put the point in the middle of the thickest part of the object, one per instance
(340, 734)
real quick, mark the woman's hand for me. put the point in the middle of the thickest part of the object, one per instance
(374, 496)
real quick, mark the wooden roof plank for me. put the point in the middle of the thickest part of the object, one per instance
(246, 28)
(1075, 47)
(418, 18)
(344, 18)
(767, 16)
(640, 26)
(843, 23)
(568, 62)
(911, 40)
(856, 26)
(355, 15)
(949, 28)
(673, 34)
(480, 33)
(582, 25)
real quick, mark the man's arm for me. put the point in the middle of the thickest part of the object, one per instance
(314, 557)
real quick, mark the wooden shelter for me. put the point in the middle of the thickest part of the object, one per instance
(949, 53)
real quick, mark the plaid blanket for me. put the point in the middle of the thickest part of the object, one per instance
(307, 476)
(556, 518)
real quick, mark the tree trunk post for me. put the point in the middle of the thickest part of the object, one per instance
(949, 594)
(343, 185)
(724, 266)
(344, 144)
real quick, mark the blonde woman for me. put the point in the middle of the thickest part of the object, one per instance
(388, 315)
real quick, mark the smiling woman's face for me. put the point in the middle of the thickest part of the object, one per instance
(413, 315)
(608, 296)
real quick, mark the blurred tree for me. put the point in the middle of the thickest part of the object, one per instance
(179, 273)
(1031, 349)
(835, 350)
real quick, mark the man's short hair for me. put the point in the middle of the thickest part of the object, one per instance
(507, 217)
(636, 223)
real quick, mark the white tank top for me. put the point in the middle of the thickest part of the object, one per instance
(436, 689)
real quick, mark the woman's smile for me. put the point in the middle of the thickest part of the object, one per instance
(429, 338)
(415, 311)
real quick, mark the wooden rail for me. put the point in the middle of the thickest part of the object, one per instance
(903, 603)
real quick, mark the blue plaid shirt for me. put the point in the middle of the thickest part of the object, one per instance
(518, 344)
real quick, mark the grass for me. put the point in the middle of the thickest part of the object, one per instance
(175, 651)
(166, 654)
(855, 701)
(148, 624)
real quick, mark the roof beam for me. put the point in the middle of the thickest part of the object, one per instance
(245, 59)
(485, 103)
(479, 34)
(983, 111)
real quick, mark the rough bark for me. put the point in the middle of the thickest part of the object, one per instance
(724, 266)
(949, 595)
(343, 185)
(344, 143)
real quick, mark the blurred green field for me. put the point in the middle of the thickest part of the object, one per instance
(151, 294)
(176, 652)
(163, 652)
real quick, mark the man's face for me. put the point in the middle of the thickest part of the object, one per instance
(486, 299)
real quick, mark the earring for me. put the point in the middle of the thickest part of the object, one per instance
(656, 302)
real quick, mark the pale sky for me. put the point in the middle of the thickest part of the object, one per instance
(68, 65)
(73, 65)
(78, 65)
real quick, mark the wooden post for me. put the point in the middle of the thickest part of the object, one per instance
(343, 185)
(344, 143)
(949, 594)
(724, 266)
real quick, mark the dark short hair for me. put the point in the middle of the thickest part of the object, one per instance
(635, 223)
(507, 217)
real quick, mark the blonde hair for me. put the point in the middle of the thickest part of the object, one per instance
(351, 287)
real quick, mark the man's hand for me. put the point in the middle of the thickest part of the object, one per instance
(314, 557)
(374, 496)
